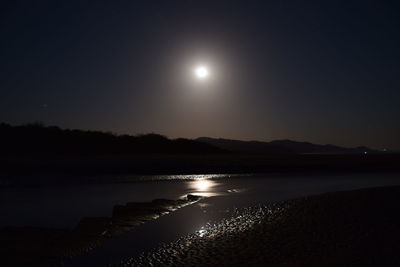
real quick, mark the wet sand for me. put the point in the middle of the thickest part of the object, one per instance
(352, 228)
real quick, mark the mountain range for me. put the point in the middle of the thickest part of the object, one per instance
(281, 146)
(37, 138)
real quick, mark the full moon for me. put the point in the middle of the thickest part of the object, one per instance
(201, 72)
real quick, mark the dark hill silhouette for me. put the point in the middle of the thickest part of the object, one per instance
(37, 149)
(36, 138)
(280, 146)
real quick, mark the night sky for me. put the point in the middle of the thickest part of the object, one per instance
(323, 71)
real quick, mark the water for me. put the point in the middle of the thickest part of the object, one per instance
(60, 202)
(47, 204)
(63, 201)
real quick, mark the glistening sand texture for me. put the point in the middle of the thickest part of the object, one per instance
(353, 228)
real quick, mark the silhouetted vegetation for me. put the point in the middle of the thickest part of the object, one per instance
(37, 138)
(37, 149)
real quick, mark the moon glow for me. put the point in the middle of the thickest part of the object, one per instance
(201, 72)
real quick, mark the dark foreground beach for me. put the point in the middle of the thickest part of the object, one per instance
(34, 246)
(353, 228)
(350, 228)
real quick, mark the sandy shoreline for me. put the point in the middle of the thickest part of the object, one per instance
(351, 228)
(348, 228)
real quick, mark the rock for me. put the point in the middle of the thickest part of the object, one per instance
(191, 197)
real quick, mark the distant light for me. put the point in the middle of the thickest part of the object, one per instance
(201, 72)
(365, 152)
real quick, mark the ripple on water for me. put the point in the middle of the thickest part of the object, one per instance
(190, 246)
(186, 177)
